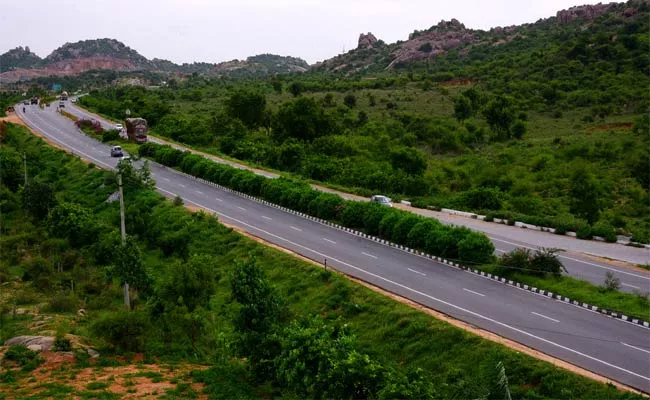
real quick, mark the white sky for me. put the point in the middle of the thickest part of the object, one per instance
(221, 30)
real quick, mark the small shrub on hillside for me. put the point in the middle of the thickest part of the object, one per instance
(584, 232)
(61, 343)
(605, 230)
(23, 357)
(62, 304)
(125, 329)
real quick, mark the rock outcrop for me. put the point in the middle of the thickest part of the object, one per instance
(583, 13)
(35, 343)
(439, 39)
(366, 41)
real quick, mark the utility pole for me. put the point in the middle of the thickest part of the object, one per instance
(25, 166)
(127, 297)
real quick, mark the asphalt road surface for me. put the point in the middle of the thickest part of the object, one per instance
(507, 238)
(606, 346)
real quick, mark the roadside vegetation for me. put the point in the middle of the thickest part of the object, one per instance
(546, 129)
(236, 318)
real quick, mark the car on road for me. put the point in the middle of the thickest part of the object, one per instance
(119, 127)
(61, 104)
(116, 151)
(73, 100)
(383, 200)
(26, 102)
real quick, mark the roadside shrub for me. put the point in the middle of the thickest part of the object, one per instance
(475, 248)
(124, 329)
(403, 226)
(605, 230)
(372, 217)
(584, 232)
(111, 135)
(612, 282)
(352, 214)
(388, 222)
(546, 261)
(417, 237)
(481, 199)
(326, 206)
(516, 260)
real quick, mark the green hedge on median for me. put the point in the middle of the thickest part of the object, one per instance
(401, 227)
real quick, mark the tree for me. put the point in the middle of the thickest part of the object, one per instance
(128, 267)
(74, 222)
(410, 160)
(585, 194)
(302, 119)
(462, 108)
(38, 199)
(296, 88)
(546, 261)
(248, 106)
(350, 100)
(258, 315)
(500, 115)
(188, 285)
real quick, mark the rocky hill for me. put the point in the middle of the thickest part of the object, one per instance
(446, 36)
(18, 58)
(109, 54)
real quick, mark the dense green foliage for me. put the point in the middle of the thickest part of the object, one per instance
(344, 352)
(375, 219)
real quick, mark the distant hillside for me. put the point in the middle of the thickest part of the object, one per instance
(72, 59)
(19, 58)
(453, 38)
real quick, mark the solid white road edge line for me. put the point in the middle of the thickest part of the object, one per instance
(475, 314)
(544, 316)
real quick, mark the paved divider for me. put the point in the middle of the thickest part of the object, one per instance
(440, 260)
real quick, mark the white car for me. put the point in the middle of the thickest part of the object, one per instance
(383, 200)
(119, 127)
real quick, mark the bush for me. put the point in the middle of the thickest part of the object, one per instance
(403, 226)
(516, 260)
(605, 230)
(584, 232)
(61, 343)
(475, 248)
(546, 261)
(372, 217)
(417, 237)
(352, 214)
(62, 304)
(126, 330)
(23, 356)
(111, 135)
(388, 223)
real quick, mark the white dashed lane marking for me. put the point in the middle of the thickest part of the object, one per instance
(544, 316)
(369, 255)
(476, 293)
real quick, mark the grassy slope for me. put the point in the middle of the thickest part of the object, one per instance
(460, 363)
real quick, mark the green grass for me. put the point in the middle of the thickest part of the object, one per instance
(632, 305)
(97, 385)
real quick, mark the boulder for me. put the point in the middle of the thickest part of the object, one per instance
(366, 41)
(35, 347)
(45, 342)
(92, 353)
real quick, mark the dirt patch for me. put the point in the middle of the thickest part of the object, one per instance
(14, 119)
(617, 125)
(129, 381)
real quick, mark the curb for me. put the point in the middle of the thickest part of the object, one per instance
(406, 249)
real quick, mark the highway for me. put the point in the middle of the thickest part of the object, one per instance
(506, 238)
(606, 346)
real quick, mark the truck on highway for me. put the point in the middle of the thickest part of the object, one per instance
(136, 129)
(64, 96)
